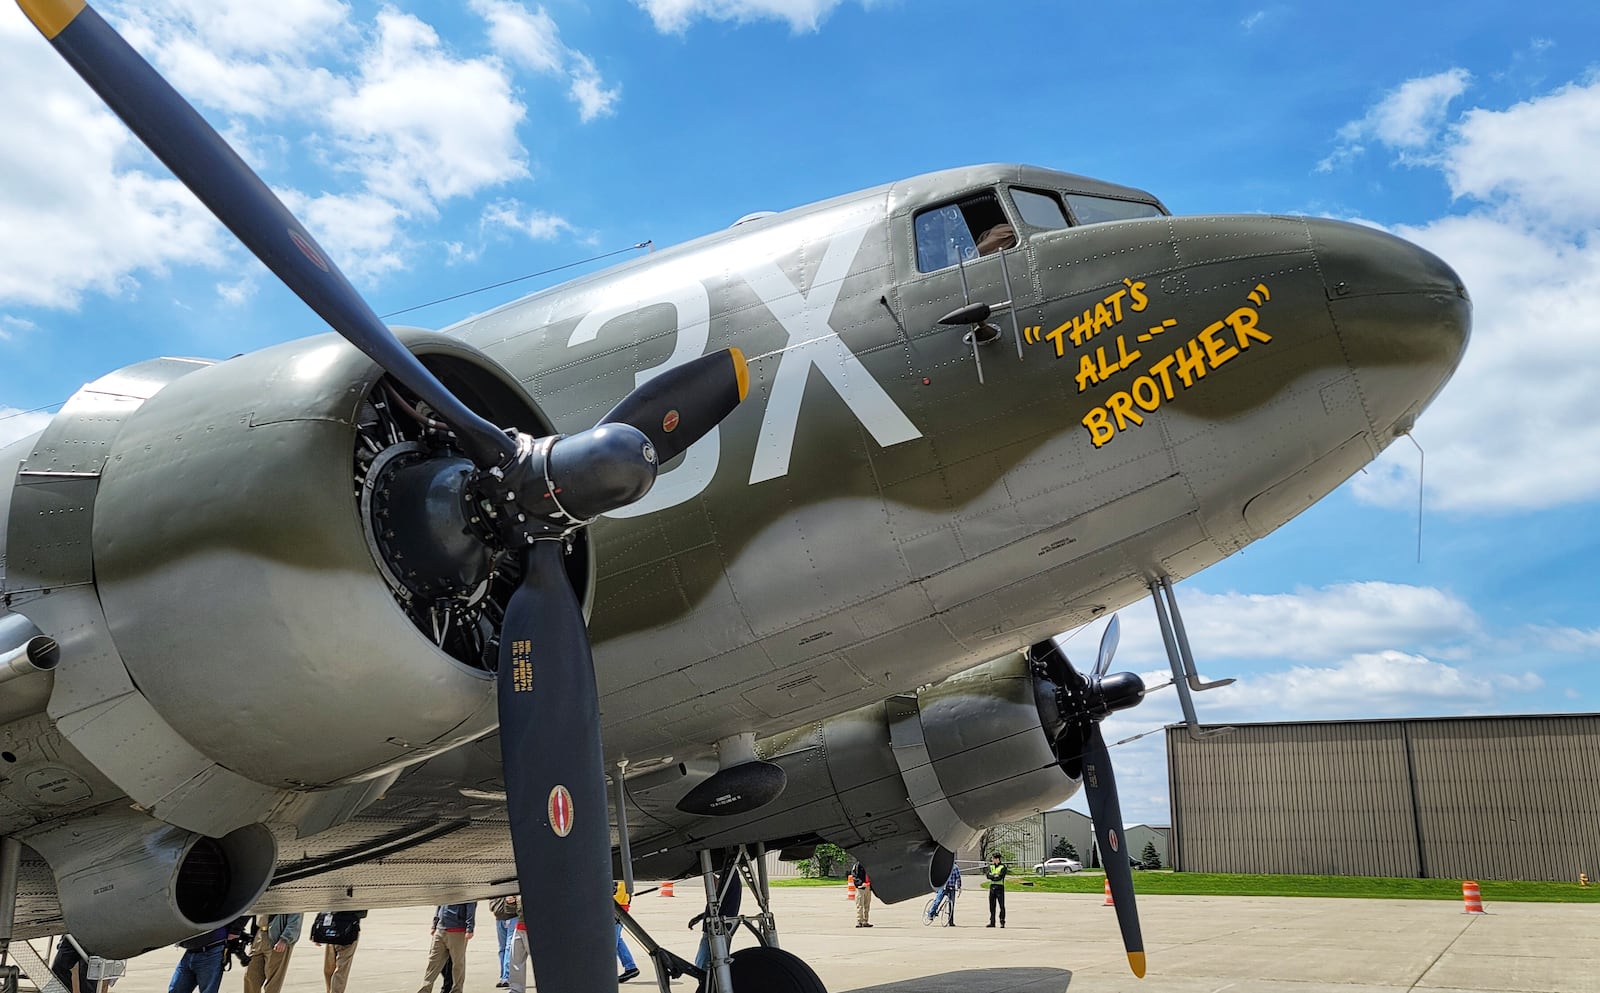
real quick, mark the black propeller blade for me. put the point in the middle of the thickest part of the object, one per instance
(213, 171)
(537, 493)
(1106, 811)
(1083, 702)
(1108, 645)
(678, 407)
(555, 774)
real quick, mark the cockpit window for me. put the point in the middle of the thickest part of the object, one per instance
(945, 235)
(1039, 210)
(1097, 210)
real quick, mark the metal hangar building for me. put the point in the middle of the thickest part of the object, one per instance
(1450, 797)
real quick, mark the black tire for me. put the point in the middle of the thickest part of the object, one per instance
(770, 970)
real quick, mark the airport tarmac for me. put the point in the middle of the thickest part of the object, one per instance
(1056, 943)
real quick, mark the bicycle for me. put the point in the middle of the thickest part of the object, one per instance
(948, 906)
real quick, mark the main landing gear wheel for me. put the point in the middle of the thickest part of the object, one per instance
(770, 970)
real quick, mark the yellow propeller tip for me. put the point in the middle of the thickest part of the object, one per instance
(1136, 963)
(51, 17)
(741, 369)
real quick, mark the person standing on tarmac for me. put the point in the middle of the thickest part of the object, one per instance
(995, 873)
(858, 873)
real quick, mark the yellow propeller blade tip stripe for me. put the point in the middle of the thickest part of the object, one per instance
(51, 17)
(1136, 963)
(741, 369)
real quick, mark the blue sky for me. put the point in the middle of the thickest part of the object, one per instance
(437, 147)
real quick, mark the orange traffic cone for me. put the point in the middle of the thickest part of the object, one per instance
(1472, 898)
(1108, 902)
(666, 889)
(850, 891)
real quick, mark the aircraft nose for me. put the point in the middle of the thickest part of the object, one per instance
(1402, 314)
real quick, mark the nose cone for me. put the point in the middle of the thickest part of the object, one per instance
(1402, 315)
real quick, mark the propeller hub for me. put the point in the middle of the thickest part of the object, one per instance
(552, 487)
(1118, 691)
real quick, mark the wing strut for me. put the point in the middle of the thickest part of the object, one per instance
(1185, 677)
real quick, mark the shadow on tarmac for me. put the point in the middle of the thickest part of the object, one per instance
(1020, 980)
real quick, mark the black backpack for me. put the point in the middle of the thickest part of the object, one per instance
(337, 927)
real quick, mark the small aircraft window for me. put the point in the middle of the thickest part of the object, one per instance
(1040, 210)
(1096, 210)
(944, 234)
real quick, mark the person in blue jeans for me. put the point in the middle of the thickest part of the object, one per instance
(505, 912)
(948, 891)
(200, 968)
(630, 969)
(727, 907)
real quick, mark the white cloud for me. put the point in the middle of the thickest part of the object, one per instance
(589, 91)
(16, 424)
(70, 173)
(421, 126)
(1365, 685)
(530, 38)
(1250, 21)
(405, 123)
(10, 326)
(1566, 639)
(1515, 428)
(1537, 157)
(673, 16)
(1312, 625)
(536, 224)
(1408, 120)
(240, 56)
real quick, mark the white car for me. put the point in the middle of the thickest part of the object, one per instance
(1057, 865)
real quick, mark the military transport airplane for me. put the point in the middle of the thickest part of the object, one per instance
(311, 627)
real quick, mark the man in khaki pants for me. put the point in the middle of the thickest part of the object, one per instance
(270, 952)
(858, 872)
(337, 931)
(452, 928)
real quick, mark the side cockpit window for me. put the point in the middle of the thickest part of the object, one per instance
(962, 231)
(1039, 209)
(1097, 210)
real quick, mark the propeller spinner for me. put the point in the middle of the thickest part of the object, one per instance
(534, 495)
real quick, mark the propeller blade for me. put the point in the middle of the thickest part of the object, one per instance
(554, 769)
(198, 156)
(1108, 646)
(680, 406)
(1106, 812)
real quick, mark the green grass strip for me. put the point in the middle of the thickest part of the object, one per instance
(1227, 884)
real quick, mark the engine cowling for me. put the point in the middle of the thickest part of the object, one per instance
(241, 562)
(205, 541)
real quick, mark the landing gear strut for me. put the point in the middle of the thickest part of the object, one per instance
(765, 968)
(10, 866)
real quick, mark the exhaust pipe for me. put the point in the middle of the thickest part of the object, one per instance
(24, 650)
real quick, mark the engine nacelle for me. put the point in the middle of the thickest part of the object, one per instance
(903, 784)
(238, 572)
(207, 544)
(129, 883)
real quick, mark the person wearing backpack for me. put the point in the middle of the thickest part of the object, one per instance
(505, 911)
(337, 931)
